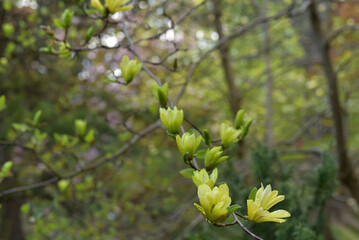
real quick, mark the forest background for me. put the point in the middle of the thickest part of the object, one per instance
(292, 65)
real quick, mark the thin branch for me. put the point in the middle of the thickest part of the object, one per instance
(241, 216)
(148, 71)
(290, 12)
(245, 229)
(340, 30)
(236, 221)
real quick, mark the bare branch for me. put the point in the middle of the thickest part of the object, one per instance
(340, 30)
(245, 229)
(290, 12)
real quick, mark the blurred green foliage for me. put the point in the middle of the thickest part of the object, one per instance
(67, 113)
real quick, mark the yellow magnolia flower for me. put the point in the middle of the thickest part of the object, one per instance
(201, 177)
(97, 4)
(188, 143)
(228, 134)
(263, 200)
(214, 202)
(116, 5)
(171, 119)
(129, 68)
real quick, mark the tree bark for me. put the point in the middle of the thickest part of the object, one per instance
(269, 83)
(346, 170)
(234, 98)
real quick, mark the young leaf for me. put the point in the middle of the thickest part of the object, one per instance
(232, 209)
(239, 119)
(58, 23)
(36, 119)
(2, 102)
(46, 50)
(187, 173)
(90, 136)
(253, 193)
(21, 127)
(63, 185)
(246, 127)
(207, 137)
(6, 168)
(201, 153)
(89, 34)
(161, 97)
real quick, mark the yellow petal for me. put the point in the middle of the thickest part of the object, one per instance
(97, 4)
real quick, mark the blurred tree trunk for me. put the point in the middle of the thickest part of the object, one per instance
(234, 98)
(346, 170)
(10, 215)
(10, 221)
(269, 82)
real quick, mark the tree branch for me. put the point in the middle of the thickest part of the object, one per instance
(290, 12)
(93, 166)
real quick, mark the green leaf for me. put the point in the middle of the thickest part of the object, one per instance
(22, 127)
(207, 137)
(46, 50)
(91, 11)
(2, 102)
(187, 173)
(6, 168)
(89, 34)
(67, 16)
(201, 153)
(90, 136)
(8, 29)
(253, 193)
(154, 89)
(37, 117)
(58, 23)
(80, 127)
(161, 97)
(246, 127)
(232, 209)
(239, 119)
(25, 208)
(63, 185)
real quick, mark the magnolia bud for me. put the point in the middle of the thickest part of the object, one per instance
(228, 134)
(171, 119)
(213, 158)
(188, 143)
(129, 68)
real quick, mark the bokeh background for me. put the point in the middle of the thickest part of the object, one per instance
(276, 59)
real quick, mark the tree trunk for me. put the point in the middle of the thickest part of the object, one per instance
(269, 88)
(346, 170)
(233, 99)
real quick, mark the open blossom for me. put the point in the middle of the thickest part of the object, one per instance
(214, 202)
(263, 200)
(202, 177)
